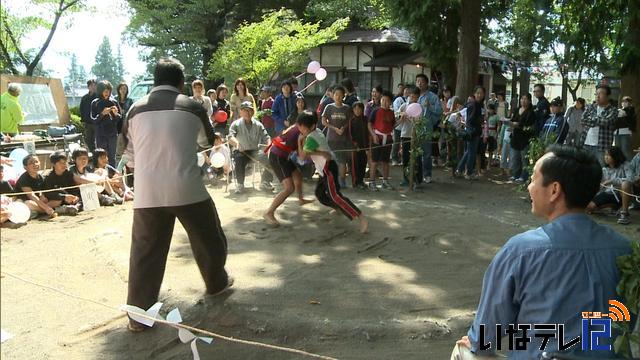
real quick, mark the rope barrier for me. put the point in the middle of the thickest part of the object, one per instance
(179, 325)
(614, 189)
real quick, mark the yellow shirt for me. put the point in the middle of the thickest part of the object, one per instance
(10, 113)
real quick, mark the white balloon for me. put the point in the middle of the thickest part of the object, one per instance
(321, 74)
(218, 160)
(17, 155)
(20, 212)
(313, 67)
(200, 159)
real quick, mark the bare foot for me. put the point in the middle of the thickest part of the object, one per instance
(364, 224)
(304, 201)
(270, 219)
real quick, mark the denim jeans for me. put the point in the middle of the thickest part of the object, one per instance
(505, 155)
(427, 163)
(624, 143)
(518, 159)
(468, 160)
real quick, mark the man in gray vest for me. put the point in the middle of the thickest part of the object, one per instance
(162, 133)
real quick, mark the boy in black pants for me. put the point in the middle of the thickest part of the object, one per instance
(328, 189)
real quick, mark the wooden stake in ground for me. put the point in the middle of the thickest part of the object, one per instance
(412, 158)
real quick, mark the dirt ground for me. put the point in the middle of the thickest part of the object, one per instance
(406, 290)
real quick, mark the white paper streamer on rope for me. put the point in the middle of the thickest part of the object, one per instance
(174, 317)
(186, 335)
(134, 311)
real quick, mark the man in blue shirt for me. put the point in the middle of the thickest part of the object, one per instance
(552, 274)
(432, 110)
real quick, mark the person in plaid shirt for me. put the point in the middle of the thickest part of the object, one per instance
(598, 124)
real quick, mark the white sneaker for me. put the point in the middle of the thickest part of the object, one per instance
(427, 180)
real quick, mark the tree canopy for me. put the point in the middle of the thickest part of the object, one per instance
(107, 66)
(13, 56)
(279, 44)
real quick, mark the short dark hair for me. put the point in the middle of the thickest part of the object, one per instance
(415, 90)
(606, 88)
(340, 88)
(617, 155)
(97, 154)
(91, 82)
(387, 94)
(307, 118)
(556, 102)
(582, 101)
(168, 71)
(57, 156)
(578, 172)
(491, 106)
(79, 152)
(540, 86)
(293, 81)
(286, 83)
(359, 104)
(379, 88)
(348, 85)
(424, 76)
(26, 159)
(217, 136)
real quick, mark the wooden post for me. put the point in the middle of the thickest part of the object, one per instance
(412, 158)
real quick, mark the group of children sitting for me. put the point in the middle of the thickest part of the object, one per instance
(57, 191)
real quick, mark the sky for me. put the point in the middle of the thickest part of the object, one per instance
(81, 33)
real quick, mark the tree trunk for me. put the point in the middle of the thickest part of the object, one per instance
(514, 81)
(469, 53)
(525, 79)
(565, 86)
(34, 64)
(631, 78)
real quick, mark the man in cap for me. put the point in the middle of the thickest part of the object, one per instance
(246, 135)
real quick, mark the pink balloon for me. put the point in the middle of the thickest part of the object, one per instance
(313, 67)
(321, 74)
(414, 110)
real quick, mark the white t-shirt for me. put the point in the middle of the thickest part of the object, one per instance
(592, 133)
(406, 126)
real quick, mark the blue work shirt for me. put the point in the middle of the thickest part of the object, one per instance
(432, 108)
(550, 275)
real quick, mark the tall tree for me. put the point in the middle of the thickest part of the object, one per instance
(119, 67)
(367, 14)
(74, 78)
(469, 54)
(279, 44)
(192, 30)
(13, 28)
(434, 25)
(105, 65)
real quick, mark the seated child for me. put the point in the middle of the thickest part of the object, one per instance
(32, 183)
(328, 188)
(80, 170)
(60, 177)
(613, 175)
(117, 182)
